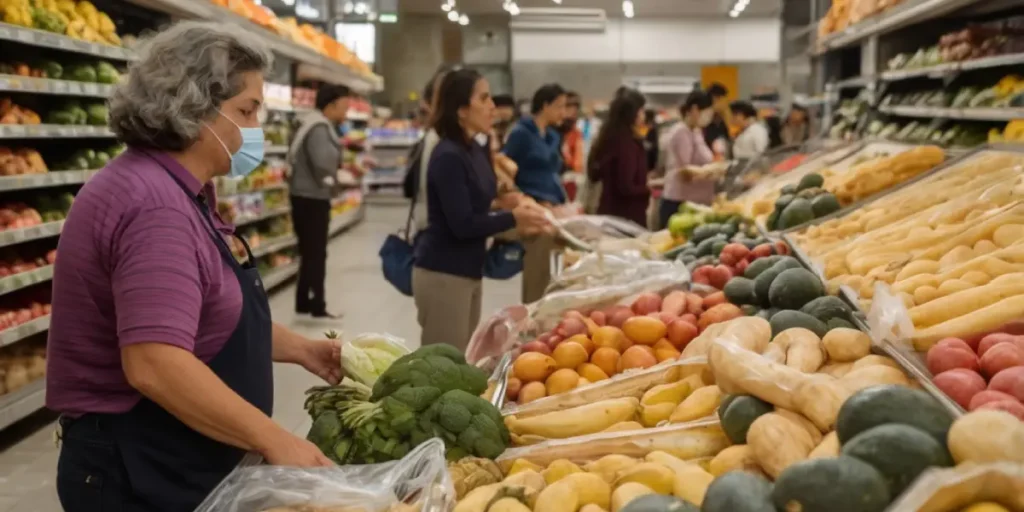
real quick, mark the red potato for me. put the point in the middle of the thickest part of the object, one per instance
(714, 299)
(989, 395)
(719, 313)
(781, 248)
(719, 275)
(1001, 357)
(674, 303)
(680, 333)
(667, 318)
(992, 340)
(694, 304)
(955, 343)
(702, 274)
(941, 359)
(619, 315)
(599, 318)
(1009, 381)
(761, 251)
(733, 254)
(689, 318)
(536, 346)
(571, 326)
(646, 303)
(1011, 406)
(554, 341)
(960, 384)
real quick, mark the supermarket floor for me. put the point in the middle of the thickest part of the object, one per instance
(28, 457)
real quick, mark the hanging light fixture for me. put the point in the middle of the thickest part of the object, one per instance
(627, 8)
(463, 20)
(453, 15)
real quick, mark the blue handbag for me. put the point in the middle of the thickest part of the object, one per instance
(504, 260)
(397, 256)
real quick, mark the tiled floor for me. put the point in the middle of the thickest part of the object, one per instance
(355, 286)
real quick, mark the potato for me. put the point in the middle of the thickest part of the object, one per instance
(715, 299)
(617, 315)
(940, 359)
(647, 303)
(955, 343)
(987, 396)
(674, 303)
(738, 457)
(960, 384)
(992, 340)
(987, 436)
(717, 314)
(1001, 357)
(694, 304)
(845, 345)
(1010, 406)
(1009, 381)
(681, 333)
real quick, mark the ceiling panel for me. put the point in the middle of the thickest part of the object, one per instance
(643, 8)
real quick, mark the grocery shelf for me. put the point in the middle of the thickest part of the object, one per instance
(906, 14)
(15, 83)
(276, 212)
(312, 65)
(279, 275)
(33, 37)
(970, 114)
(54, 131)
(346, 219)
(940, 70)
(25, 279)
(856, 82)
(17, 236)
(276, 186)
(44, 180)
(21, 403)
(17, 333)
(276, 149)
(403, 142)
(274, 245)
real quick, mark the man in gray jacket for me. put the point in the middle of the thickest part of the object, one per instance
(315, 157)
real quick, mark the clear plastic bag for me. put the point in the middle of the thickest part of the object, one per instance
(419, 482)
(590, 228)
(955, 489)
(601, 269)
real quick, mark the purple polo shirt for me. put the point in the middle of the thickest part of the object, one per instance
(135, 265)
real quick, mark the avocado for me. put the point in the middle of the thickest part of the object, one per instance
(783, 201)
(704, 248)
(812, 180)
(788, 318)
(794, 288)
(659, 503)
(763, 281)
(705, 231)
(797, 212)
(899, 452)
(840, 484)
(772, 222)
(836, 323)
(759, 265)
(788, 189)
(809, 193)
(739, 414)
(826, 308)
(739, 491)
(880, 405)
(740, 290)
(824, 204)
(717, 246)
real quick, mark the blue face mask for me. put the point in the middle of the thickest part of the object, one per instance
(344, 128)
(249, 154)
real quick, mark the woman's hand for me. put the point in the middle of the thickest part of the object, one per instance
(509, 200)
(531, 218)
(323, 359)
(283, 448)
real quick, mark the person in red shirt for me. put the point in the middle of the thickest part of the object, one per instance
(572, 137)
(619, 161)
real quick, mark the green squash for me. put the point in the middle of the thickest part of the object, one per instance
(659, 503)
(739, 414)
(839, 484)
(880, 405)
(794, 288)
(899, 452)
(787, 318)
(738, 491)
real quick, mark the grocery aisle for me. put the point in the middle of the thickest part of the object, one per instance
(355, 286)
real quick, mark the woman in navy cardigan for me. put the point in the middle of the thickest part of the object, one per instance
(461, 187)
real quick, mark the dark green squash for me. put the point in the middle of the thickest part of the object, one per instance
(839, 484)
(738, 491)
(659, 503)
(880, 405)
(741, 411)
(899, 452)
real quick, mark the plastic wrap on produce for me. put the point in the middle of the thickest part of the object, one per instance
(631, 383)
(687, 441)
(590, 228)
(603, 269)
(955, 489)
(419, 482)
(496, 335)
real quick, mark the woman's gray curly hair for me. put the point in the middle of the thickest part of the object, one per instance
(180, 79)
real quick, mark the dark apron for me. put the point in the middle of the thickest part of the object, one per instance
(148, 460)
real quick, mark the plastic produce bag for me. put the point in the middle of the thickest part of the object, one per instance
(417, 483)
(366, 356)
(599, 269)
(955, 489)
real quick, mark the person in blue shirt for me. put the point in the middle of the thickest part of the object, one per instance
(461, 191)
(535, 145)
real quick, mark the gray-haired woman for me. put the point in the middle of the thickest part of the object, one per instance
(161, 343)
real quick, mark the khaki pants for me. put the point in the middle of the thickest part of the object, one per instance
(536, 267)
(447, 307)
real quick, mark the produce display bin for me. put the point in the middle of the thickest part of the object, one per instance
(955, 489)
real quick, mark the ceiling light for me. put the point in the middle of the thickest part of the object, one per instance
(348, 8)
(733, 14)
(512, 8)
(446, 7)
(559, 2)
(360, 8)
(463, 20)
(453, 16)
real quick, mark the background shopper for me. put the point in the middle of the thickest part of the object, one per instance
(752, 139)
(535, 145)
(572, 136)
(505, 116)
(161, 344)
(686, 147)
(619, 161)
(315, 157)
(461, 187)
(717, 133)
(652, 141)
(796, 129)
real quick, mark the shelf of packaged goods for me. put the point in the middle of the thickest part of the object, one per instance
(857, 82)
(17, 236)
(56, 131)
(13, 83)
(273, 245)
(45, 180)
(940, 70)
(268, 188)
(903, 15)
(968, 114)
(391, 143)
(25, 279)
(346, 220)
(275, 212)
(17, 333)
(22, 402)
(274, 277)
(275, 149)
(33, 37)
(312, 65)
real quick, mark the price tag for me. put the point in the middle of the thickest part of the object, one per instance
(59, 86)
(89, 88)
(26, 36)
(5, 33)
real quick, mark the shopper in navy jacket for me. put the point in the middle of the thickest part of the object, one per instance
(461, 189)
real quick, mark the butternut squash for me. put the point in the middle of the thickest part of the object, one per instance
(777, 443)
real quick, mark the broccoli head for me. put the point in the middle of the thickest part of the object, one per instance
(475, 423)
(417, 398)
(433, 371)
